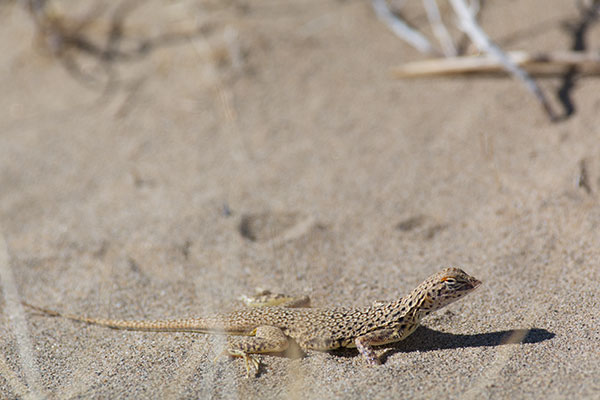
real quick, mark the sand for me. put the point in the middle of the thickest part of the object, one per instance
(272, 148)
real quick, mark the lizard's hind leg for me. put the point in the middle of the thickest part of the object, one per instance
(266, 339)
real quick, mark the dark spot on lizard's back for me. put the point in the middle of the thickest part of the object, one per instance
(397, 316)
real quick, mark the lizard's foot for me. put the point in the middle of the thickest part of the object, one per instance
(266, 339)
(266, 298)
(250, 361)
(374, 361)
(365, 343)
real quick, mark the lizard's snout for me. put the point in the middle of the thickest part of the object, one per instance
(475, 282)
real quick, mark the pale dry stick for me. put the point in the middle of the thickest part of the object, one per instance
(439, 29)
(401, 29)
(470, 26)
(474, 7)
(16, 316)
(541, 63)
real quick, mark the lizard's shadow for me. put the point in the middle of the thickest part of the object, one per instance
(426, 339)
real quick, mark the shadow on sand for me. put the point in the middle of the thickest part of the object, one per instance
(425, 339)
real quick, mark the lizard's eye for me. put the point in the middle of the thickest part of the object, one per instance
(449, 281)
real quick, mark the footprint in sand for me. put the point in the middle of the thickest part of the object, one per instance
(421, 225)
(275, 227)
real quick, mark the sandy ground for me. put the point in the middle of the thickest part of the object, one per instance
(272, 148)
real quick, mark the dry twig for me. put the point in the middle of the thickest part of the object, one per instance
(484, 44)
(496, 58)
(542, 63)
(401, 29)
(439, 29)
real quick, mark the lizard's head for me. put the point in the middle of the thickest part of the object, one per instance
(445, 287)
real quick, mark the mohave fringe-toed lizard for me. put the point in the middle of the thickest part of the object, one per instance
(268, 325)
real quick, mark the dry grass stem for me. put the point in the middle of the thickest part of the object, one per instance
(534, 63)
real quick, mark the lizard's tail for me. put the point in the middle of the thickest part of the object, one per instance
(176, 325)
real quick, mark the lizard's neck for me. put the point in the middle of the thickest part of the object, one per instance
(412, 307)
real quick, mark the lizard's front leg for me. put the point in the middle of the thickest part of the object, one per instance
(265, 339)
(365, 343)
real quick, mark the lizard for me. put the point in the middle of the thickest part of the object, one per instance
(275, 319)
